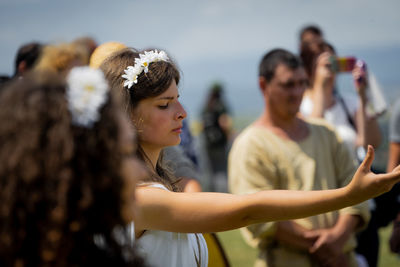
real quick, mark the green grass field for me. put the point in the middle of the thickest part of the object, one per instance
(241, 255)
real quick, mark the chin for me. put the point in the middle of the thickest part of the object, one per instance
(174, 142)
(177, 142)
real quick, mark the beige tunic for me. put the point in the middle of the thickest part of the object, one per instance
(260, 160)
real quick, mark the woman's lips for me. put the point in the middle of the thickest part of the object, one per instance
(177, 130)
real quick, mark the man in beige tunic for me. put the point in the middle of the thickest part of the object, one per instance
(281, 150)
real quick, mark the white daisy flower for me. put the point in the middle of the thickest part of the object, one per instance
(142, 64)
(130, 76)
(86, 93)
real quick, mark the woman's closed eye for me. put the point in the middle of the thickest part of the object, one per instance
(163, 106)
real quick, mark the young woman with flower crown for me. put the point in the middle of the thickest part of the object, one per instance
(169, 223)
(67, 173)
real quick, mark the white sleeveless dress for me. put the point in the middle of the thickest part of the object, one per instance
(168, 249)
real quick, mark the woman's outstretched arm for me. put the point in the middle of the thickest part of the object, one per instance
(159, 209)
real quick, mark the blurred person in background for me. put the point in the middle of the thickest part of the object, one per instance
(322, 100)
(188, 143)
(281, 150)
(25, 60)
(353, 123)
(311, 36)
(26, 57)
(394, 158)
(68, 173)
(394, 136)
(60, 58)
(217, 126)
(3, 80)
(88, 43)
(103, 51)
(385, 208)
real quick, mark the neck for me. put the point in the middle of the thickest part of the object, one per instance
(152, 155)
(293, 128)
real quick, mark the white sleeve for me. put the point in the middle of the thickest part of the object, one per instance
(306, 106)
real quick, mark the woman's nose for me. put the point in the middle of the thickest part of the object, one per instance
(181, 113)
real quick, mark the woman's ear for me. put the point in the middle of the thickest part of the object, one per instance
(138, 123)
(137, 120)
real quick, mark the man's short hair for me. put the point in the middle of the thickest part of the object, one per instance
(272, 59)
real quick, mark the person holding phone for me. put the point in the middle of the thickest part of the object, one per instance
(322, 99)
(393, 159)
(349, 117)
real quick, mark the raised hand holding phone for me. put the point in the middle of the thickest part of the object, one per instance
(342, 64)
(360, 78)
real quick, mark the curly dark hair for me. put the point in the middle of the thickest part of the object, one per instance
(151, 84)
(60, 184)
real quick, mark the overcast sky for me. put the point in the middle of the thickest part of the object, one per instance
(210, 31)
(193, 29)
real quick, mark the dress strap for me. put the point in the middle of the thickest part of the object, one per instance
(156, 185)
(198, 260)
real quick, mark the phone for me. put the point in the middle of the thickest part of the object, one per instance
(362, 79)
(342, 64)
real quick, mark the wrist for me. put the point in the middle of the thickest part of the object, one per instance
(362, 103)
(341, 230)
(363, 98)
(341, 234)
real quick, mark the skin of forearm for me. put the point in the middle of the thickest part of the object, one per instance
(160, 209)
(319, 102)
(297, 204)
(368, 132)
(226, 212)
(346, 225)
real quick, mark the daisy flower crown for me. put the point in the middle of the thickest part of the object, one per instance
(86, 93)
(142, 64)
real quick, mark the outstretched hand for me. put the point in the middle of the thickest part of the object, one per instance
(366, 184)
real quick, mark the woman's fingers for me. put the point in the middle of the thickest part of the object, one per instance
(369, 158)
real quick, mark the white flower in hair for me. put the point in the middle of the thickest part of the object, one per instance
(86, 93)
(142, 64)
(130, 76)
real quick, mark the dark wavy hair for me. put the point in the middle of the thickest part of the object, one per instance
(60, 184)
(151, 84)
